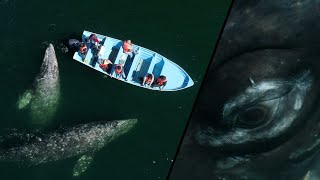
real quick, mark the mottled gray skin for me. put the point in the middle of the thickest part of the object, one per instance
(46, 92)
(78, 140)
(265, 43)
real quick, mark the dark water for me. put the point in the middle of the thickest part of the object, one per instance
(183, 31)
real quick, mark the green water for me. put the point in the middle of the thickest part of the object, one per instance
(183, 31)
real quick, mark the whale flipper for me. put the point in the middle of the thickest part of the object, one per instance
(82, 164)
(25, 99)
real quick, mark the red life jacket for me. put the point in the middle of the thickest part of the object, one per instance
(83, 49)
(148, 80)
(160, 81)
(94, 38)
(104, 66)
(126, 46)
(118, 69)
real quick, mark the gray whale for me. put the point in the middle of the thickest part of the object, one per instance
(81, 140)
(44, 97)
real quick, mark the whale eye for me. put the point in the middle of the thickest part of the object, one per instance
(254, 114)
(264, 111)
(252, 117)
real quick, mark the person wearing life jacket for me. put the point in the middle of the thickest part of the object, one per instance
(148, 80)
(161, 82)
(128, 48)
(119, 71)
(83, 49)
(104, 64)
(92, 40)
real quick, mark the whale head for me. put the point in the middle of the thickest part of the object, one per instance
(49, 68)
(117, 128)
(46, 89)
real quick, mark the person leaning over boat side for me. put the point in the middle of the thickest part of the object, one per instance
(161, 82)
(128, 48)
(119, 71)
(148, 80)
(83, 49)
(104, 64)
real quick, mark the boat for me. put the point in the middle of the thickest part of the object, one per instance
(135, 68)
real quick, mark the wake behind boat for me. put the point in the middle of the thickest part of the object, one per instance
(133, 68)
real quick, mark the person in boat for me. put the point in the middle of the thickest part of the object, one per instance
(83, 49)
(92, 40)
(160, 82)
(128, 48)
(95, 49)
(119, 71)
(104, 64)
(148, 80)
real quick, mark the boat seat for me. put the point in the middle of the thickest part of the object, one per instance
(104, 51)
(134, 66)
(120, 55)
(103, 47)
(152, 64)
(158, 67)
(88, 57)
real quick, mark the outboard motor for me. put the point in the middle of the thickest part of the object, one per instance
(74, 44)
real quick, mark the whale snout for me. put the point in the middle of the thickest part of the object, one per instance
(50, 47)
(128, 123)
(50, 52)
(50, 62)
(124, 126)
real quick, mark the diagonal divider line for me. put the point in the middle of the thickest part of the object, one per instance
(200, 89)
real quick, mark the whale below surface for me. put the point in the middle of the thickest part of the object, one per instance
(81, 140)
(44, 97)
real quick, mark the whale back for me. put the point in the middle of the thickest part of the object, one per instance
(65, 143)
(46, 89)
